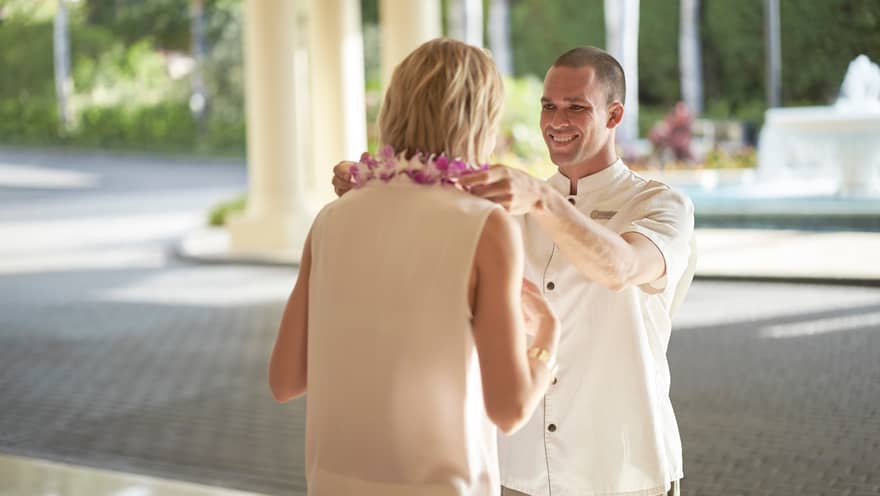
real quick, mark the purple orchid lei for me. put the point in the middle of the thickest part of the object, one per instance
(421, 168)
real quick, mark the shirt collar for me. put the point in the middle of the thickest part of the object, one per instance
(591, 183)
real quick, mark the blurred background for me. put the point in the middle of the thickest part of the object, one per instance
(161, 161)
(167, 75)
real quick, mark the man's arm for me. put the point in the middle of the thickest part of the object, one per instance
(288, 365)
(613, 260)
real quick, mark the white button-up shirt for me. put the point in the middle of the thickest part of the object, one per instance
(606, 426)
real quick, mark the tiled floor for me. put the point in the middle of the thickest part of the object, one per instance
(114, 355)
(32, 477)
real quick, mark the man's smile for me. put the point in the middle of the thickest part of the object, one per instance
(562, 138)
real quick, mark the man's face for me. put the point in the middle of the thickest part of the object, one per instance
(574, 115)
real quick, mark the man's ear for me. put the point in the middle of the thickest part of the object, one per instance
(615, 114)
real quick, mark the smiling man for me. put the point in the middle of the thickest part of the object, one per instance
(614, 254)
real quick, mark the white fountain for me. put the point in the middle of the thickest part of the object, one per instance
(833, 150)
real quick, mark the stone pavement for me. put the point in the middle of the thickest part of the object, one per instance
(115, 354)
(35, 477)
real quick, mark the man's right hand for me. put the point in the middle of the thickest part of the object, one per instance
(342, 182)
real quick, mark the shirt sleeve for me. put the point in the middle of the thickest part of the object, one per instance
(666, 217)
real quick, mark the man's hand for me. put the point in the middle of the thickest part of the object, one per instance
(342, 182)
(513, 189)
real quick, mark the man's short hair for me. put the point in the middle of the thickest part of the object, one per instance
(608, 70)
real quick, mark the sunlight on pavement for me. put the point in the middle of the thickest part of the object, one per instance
(821, 326)
(787, 254)
(99, 243)
(92, 232)
(222, 286)
(122, 258)
(29, 176)
(746, 303)
(31, 477)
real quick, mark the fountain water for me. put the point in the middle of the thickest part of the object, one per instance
(833, 150)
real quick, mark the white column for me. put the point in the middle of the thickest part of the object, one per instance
(622, 41)
(465, 21)
(499, 35)
(336, 62)
(282, 192)
(61, 50)
(689, 56)
(774, 53)
(406, 24)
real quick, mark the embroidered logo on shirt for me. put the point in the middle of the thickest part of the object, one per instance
(602, 214)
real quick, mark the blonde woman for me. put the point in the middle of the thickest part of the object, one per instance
(407, 325)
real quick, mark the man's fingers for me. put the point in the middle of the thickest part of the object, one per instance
(487, 176)
(491, 190)
(341, 186)
(342, 170)
(340, 182)
(471, 180)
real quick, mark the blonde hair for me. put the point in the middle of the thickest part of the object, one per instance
(445, 97)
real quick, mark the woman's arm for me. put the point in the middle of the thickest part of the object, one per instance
(513, 383)
(287, 368)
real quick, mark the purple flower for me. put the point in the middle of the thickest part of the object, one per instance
(355, 173)
(421, 168)
(421, 177)
(387, 152)
(457, 167)
(442, 163)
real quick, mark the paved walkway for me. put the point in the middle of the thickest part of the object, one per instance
(116, 355)
(35, 477)
(789, 255)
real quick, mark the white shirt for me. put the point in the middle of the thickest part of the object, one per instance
(606, 427)
(395, 400)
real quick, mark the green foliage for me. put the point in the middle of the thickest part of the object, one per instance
(521, 121)
(32, 121)
(733, 52)
(720, 159)
(224, 78)
(29, 75)
(26, 10)
(819, 39)
(542, 30)
(370, 11)
(166, 22)
(659, 78)
(220, 213)
(166, 126)
(120, 80)
(123, 96)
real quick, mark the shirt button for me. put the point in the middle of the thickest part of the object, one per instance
(551, 427)
(572, 201)
(555, 380)
(551, 286)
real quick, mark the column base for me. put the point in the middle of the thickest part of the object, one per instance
(276, 236)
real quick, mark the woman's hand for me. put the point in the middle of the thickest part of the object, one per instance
(539, 318)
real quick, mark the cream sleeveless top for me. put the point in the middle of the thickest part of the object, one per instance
(394, 403)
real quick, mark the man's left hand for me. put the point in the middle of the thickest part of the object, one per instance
(513, 189)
